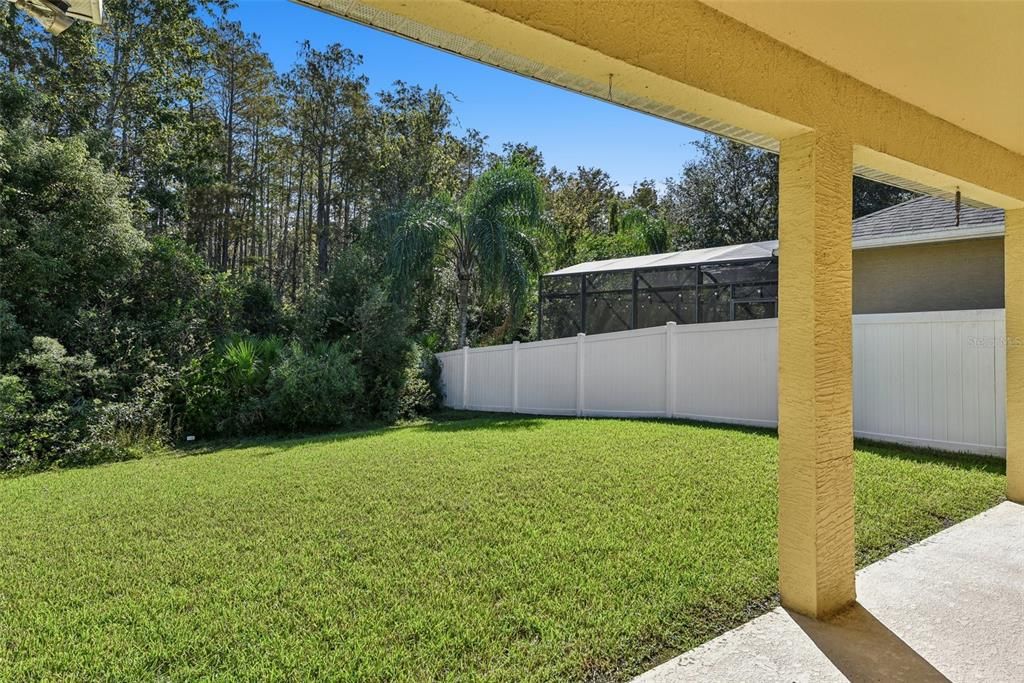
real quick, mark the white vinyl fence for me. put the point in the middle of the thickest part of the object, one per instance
(930, 379)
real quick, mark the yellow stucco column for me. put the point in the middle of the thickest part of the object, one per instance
(816, 552)
(1013, 254)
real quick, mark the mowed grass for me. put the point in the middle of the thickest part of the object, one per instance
(494, 548)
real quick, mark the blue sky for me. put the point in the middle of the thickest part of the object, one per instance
(569, 129)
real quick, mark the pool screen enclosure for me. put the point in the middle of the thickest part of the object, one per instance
(700, 286)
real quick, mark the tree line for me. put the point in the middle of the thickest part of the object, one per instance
(274, 174)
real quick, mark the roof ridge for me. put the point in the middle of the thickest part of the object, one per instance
(896, 206)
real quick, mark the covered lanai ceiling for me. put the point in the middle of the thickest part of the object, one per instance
(949, 58)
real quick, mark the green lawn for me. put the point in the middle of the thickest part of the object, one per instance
(492, 548)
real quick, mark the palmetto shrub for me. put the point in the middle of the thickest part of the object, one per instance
(247, 362)
(225, 389)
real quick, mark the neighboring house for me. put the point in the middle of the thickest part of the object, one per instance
(915, 256)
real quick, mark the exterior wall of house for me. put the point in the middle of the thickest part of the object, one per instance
(943, 276)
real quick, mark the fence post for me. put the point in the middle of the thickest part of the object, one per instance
(515, 377)
(579, 373)
(670, 369)
(465, 377)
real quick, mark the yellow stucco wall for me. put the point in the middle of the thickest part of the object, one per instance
(816, 551)
(959, 47)
(1014, 248)
(944, 276)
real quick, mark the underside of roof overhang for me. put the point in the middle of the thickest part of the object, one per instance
(56, 16)
(962, 61)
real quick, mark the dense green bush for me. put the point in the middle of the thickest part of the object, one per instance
(13, 337)
(77, 270)
(65, 231)
(15, 422)
(250, 386)
(223, 390)
(61, 409)
(56, 376)
(354, 308)
(134, 426)
(202, 396)
(312, 389)
(259, 311)
(421, 394)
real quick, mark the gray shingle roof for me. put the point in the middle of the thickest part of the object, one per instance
(922, 214)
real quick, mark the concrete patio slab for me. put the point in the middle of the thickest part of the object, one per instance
(950, 608)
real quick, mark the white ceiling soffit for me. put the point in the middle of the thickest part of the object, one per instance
(919, 188)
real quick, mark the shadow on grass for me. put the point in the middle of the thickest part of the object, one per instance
(274, 443)
(932, 456)
(461, 420)
(503, 422)
(455, 421)
(473, 419)
(444, 421)
(883, 449)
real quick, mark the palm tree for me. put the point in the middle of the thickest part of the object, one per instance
(483, 238)
(633, 231)
(647, 232)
